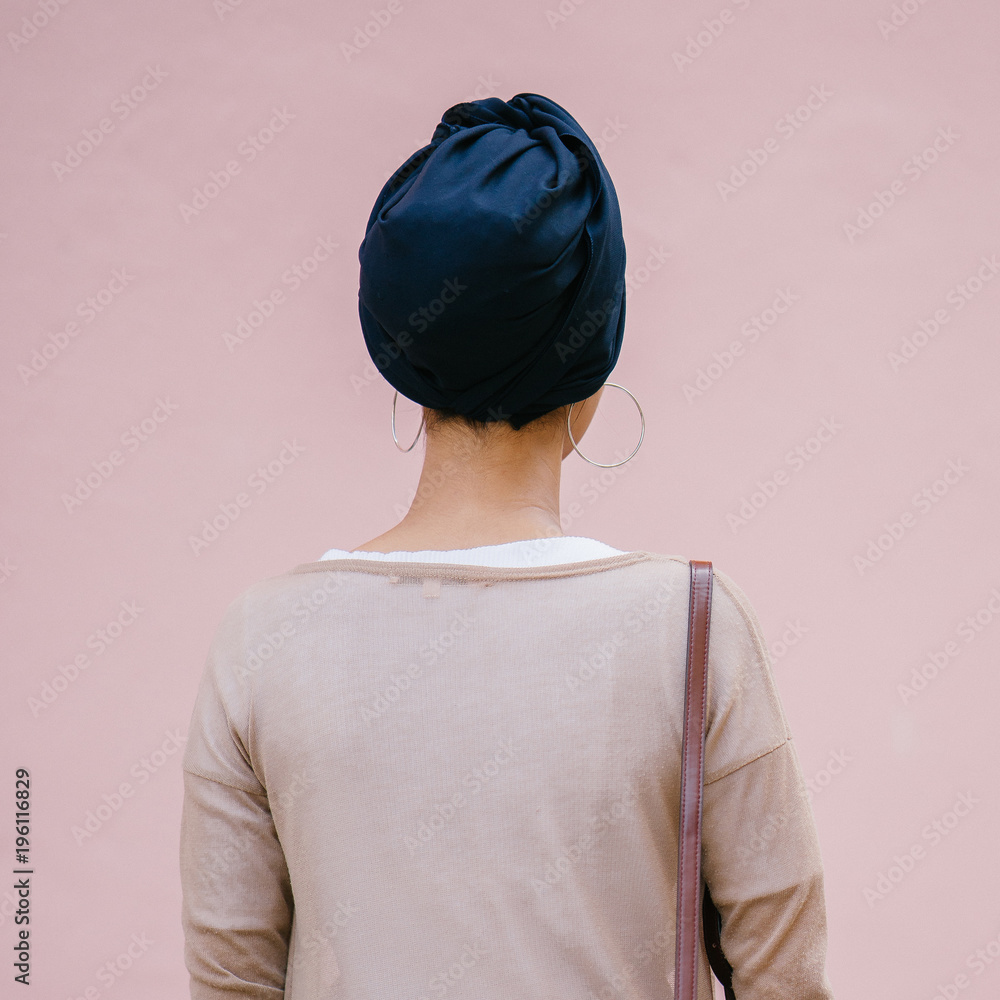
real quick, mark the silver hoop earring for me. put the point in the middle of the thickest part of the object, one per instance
(419, 429)
(611, 465)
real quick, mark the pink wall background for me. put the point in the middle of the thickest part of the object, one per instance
(885, 81)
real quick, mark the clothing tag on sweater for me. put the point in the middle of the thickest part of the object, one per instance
(432, 587)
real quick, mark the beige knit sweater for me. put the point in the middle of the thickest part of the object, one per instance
(408, 781)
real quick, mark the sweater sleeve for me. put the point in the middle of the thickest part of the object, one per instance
(236, 895)
(760, 850)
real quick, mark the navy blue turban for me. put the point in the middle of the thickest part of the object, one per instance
(493, 265)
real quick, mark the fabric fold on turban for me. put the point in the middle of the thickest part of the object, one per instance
(493, 265)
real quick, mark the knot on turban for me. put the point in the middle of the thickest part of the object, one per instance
(493, 265)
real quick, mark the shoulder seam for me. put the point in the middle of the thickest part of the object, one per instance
(228, 784)
(732, 770)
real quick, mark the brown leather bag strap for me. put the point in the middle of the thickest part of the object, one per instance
(691, 906)
(692, 775)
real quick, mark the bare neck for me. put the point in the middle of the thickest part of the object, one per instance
(472, 493)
